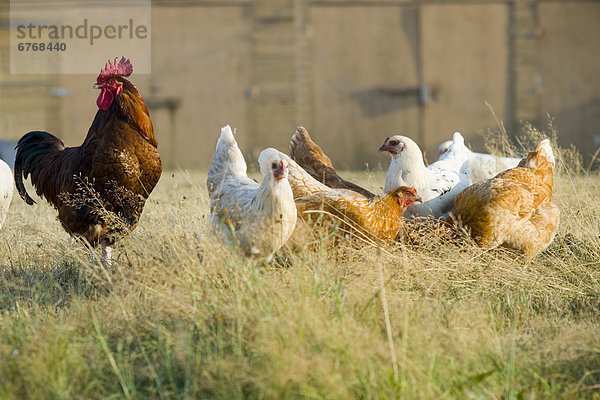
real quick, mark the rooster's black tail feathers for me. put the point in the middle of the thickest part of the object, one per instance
(31, 149)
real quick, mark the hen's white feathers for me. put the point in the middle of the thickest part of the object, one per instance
(259, 218)
(438, 184)
(483, 166)
(6, 190)
(228, 158)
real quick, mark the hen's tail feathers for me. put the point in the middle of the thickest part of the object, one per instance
(300, 136)
(458, 139)
(310, 156)
(542, 157)
(227, 159)
(301, 141)
(31, 149)
(457, 146)
(226, 136)
(545, 151)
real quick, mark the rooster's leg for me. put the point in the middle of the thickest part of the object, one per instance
(106, 255)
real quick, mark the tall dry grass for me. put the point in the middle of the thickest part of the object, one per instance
(184, 317)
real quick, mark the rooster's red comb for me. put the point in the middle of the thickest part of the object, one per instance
(122, 68)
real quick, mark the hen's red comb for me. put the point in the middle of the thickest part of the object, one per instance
(122, 68)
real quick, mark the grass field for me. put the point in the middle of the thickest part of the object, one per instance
(184, 317)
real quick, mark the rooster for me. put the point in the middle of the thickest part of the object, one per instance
(260, 218)
(380, 217)
(515, 207)
(483, 166)
(438, 184)
(100, 187)
(313, 160)
(6, 190)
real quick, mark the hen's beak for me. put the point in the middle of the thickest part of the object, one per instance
(418, 199)
(280, 172)
(384, 146)
(392, 149)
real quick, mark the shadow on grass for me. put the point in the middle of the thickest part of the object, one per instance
(54, 287)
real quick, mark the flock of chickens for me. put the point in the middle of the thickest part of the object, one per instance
(99, 188)
(512, 208)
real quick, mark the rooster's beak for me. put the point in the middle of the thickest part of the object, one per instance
(97, 86)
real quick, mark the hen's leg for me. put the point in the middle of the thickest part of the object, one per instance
(312, 158)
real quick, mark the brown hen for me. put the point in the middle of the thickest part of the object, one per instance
(313, 160)
(515, 208)
(380, 218)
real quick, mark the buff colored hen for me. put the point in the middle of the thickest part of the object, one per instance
(260, 218)
(515, 208)
(379, 218)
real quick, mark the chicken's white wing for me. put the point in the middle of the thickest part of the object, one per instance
(6, 190)
(448, 177)
(486, 166)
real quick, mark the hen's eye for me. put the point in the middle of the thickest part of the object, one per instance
(394, 143)
(274, 165)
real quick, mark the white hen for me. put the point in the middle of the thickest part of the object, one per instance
(258, 218)
(6, 190)
(483, 166)
(438, 184)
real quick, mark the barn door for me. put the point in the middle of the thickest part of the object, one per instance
(466, 63)
(356, 98)
(423, 71)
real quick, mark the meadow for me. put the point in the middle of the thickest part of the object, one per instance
(182, 316)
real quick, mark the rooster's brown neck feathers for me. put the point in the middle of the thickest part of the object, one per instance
(130, 106)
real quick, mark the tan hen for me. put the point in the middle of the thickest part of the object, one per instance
(514, 208)
(379, 218)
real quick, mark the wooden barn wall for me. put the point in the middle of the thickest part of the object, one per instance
(570, 70)
(363, 78)
(351, 71)
(201, 66)
(466, 62)
(25, 103)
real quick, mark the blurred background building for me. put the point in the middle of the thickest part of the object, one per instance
(351, 71)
